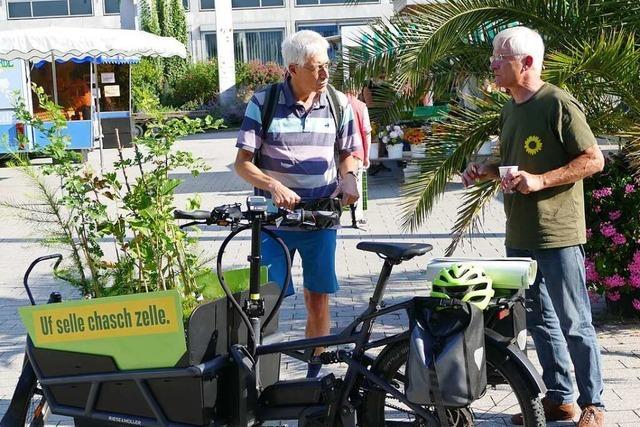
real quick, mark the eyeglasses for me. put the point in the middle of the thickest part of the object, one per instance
(317, 68)
(501, 56)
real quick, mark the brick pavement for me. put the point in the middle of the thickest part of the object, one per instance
(357, 271)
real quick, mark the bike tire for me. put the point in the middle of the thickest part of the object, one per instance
(36, 409)
(390, 367)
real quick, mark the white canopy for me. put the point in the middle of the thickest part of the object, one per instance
(67, 42)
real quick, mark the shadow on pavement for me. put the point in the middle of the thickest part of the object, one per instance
(209, 182)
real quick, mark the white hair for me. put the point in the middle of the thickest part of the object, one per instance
(521, 41)
(299, 46)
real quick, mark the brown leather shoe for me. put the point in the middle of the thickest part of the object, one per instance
(592, 416)
(552, 412)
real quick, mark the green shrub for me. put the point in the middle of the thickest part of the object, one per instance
(147, 74)
(199, 84)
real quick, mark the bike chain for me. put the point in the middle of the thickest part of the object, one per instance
(397, 408)
(407, 411)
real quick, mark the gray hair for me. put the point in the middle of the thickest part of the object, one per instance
(522, 41)
(299, 46)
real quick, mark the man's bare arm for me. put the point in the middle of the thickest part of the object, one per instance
(282, 196)
(587, 163)
(348, 185)
(479, 172)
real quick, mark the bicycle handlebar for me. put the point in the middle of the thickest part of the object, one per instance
(193, 215)
(25, 279)
(231, 215)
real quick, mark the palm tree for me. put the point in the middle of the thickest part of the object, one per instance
(591, 51)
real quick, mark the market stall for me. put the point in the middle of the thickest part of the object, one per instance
(84, 70)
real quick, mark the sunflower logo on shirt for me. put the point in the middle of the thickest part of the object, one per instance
(532, 145)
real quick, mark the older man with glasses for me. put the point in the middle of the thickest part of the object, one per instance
(297, 164)
(545, 134)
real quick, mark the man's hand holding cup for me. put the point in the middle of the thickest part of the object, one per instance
(506, 177)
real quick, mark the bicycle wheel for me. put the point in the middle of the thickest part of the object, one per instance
(36, 408)
(507, 397)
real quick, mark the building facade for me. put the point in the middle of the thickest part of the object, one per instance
(259, 25)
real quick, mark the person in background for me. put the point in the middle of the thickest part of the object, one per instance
(545, 134)
(363, 127)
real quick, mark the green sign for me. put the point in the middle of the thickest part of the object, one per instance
(138, 331)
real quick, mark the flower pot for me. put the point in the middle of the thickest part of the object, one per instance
(394, 151)
(417, 151)
(373, 150)
(410, 171)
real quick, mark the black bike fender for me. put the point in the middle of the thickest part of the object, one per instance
(503, 346)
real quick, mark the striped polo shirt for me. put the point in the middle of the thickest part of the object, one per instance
(298, 149)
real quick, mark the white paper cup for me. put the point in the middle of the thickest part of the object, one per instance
(503, 172)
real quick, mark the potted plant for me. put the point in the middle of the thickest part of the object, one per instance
(416, 136)
(613, 237)
(391, 137)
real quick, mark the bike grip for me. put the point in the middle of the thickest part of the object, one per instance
(196, 215)
(313, 215)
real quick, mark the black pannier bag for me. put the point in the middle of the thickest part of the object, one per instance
(446, 364)
(514, 325)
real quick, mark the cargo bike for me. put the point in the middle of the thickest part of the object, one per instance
(229, 375)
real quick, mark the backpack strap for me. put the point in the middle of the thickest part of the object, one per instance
(337, 108)
(436, 393)
(268, 111)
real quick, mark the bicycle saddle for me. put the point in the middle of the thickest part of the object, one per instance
(396, 251)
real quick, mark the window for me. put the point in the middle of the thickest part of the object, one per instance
(210, 45)
(252, 45)
(326, 29)
(117, 97)
(242, 4)
(72, 82)
(111, 7)
(321, 2)
(49, 8)
(263, 46)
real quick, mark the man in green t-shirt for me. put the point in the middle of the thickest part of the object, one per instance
(545, 134)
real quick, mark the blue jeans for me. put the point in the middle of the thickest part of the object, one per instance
(559, 321)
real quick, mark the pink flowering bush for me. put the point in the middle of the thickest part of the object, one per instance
(613, 236)
(254, 74)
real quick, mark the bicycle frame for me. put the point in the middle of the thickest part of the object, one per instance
(243, 360)
(356, 359)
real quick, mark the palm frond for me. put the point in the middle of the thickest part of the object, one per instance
(603, 69)
(413, 48)
(631, 148)
(473, 203)
(448, 148)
